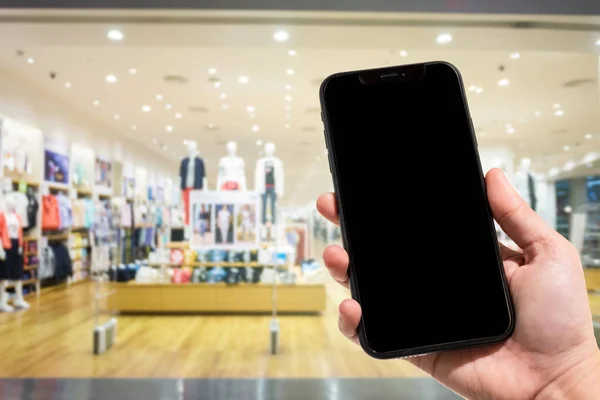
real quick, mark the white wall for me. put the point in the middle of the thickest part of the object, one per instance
(27, 104)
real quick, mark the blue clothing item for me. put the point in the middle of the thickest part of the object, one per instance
(64, 211)
(199, 174)
(89, 214)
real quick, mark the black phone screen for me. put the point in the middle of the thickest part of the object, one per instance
(415, 214)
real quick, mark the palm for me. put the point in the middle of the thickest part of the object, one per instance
(511, 370)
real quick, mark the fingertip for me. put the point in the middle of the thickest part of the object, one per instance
(350, 311)
(326, 206)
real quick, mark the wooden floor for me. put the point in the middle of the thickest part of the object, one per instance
(54, 339)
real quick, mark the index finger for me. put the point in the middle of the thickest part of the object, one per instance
(327, 207)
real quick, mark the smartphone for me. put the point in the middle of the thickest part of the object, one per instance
(425, 264)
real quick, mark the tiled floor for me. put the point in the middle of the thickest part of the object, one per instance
(225, 389)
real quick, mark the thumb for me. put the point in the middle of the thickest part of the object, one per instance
(513, 214)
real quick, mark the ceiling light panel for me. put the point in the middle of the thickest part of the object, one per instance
(115, 35)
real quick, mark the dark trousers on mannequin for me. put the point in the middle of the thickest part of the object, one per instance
(269, 198)
(12, 268)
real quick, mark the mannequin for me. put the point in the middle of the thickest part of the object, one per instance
(192, 176)
(232, 170)
(526, 183)
(12, 268)
(269, 182)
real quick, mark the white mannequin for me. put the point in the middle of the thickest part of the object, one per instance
(232, 169)
(269, 168)
(14, 229)
(522, 183)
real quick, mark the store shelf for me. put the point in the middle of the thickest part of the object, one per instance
(84, 192)
(28, 183)
(56, 237)
(27, 282)
(31, 267)
(208, 264)
(178, 245)
(104, 196)
(31, 254)
(58, 188)
(30, 238)
(217, 298)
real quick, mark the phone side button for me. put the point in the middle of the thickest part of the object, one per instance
(474, 133)
(329, 162)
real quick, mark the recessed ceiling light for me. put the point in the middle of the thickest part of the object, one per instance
(212, 71)
(30, 60)
(259, 142)
(133, 127)
(68, 85)
(146, 108)
(515, 56)
(211, 126)
(281, 36)
(96, 103)
(444, 38)
(178, 115)
(288, 87)
(292, 53)
(598, 42)
(252, 115)
(288, 108)
(559, 113)
(255, 128)
(479, 90)
(287, 126)
(117, 116)
(537, 113)
(250, 109)
(168, 106)
(185, 142)
(169, 128)
(243, 80)
(115, 35)
(132, 71)
(224, 106)
(111, 78)
(588, 136)
(510, 130)
(557, 106)
(566, 148)
(403, 53)
(472, 88)
(217, 84)
(159, 97)
(288, 98)
(503, 82)
(223, 96)
(289, 71)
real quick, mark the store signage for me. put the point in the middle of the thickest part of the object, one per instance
(56, 160)
(226, 220)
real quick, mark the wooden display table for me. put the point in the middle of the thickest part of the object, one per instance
(592, 278)
(217, 298)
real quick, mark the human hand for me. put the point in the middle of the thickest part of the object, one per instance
(552, 353)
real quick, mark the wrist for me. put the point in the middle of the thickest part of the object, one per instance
(580, 382)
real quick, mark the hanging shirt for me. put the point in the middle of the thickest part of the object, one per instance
(64, 209)
(50, 213)
(32, 210)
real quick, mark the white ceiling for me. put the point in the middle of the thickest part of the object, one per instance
(81, 54)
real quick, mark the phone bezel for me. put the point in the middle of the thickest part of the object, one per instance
(383, 75)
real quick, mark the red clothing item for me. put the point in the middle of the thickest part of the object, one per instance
(50, 213)
(230, 185)
(4, 238)
(186, 204)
